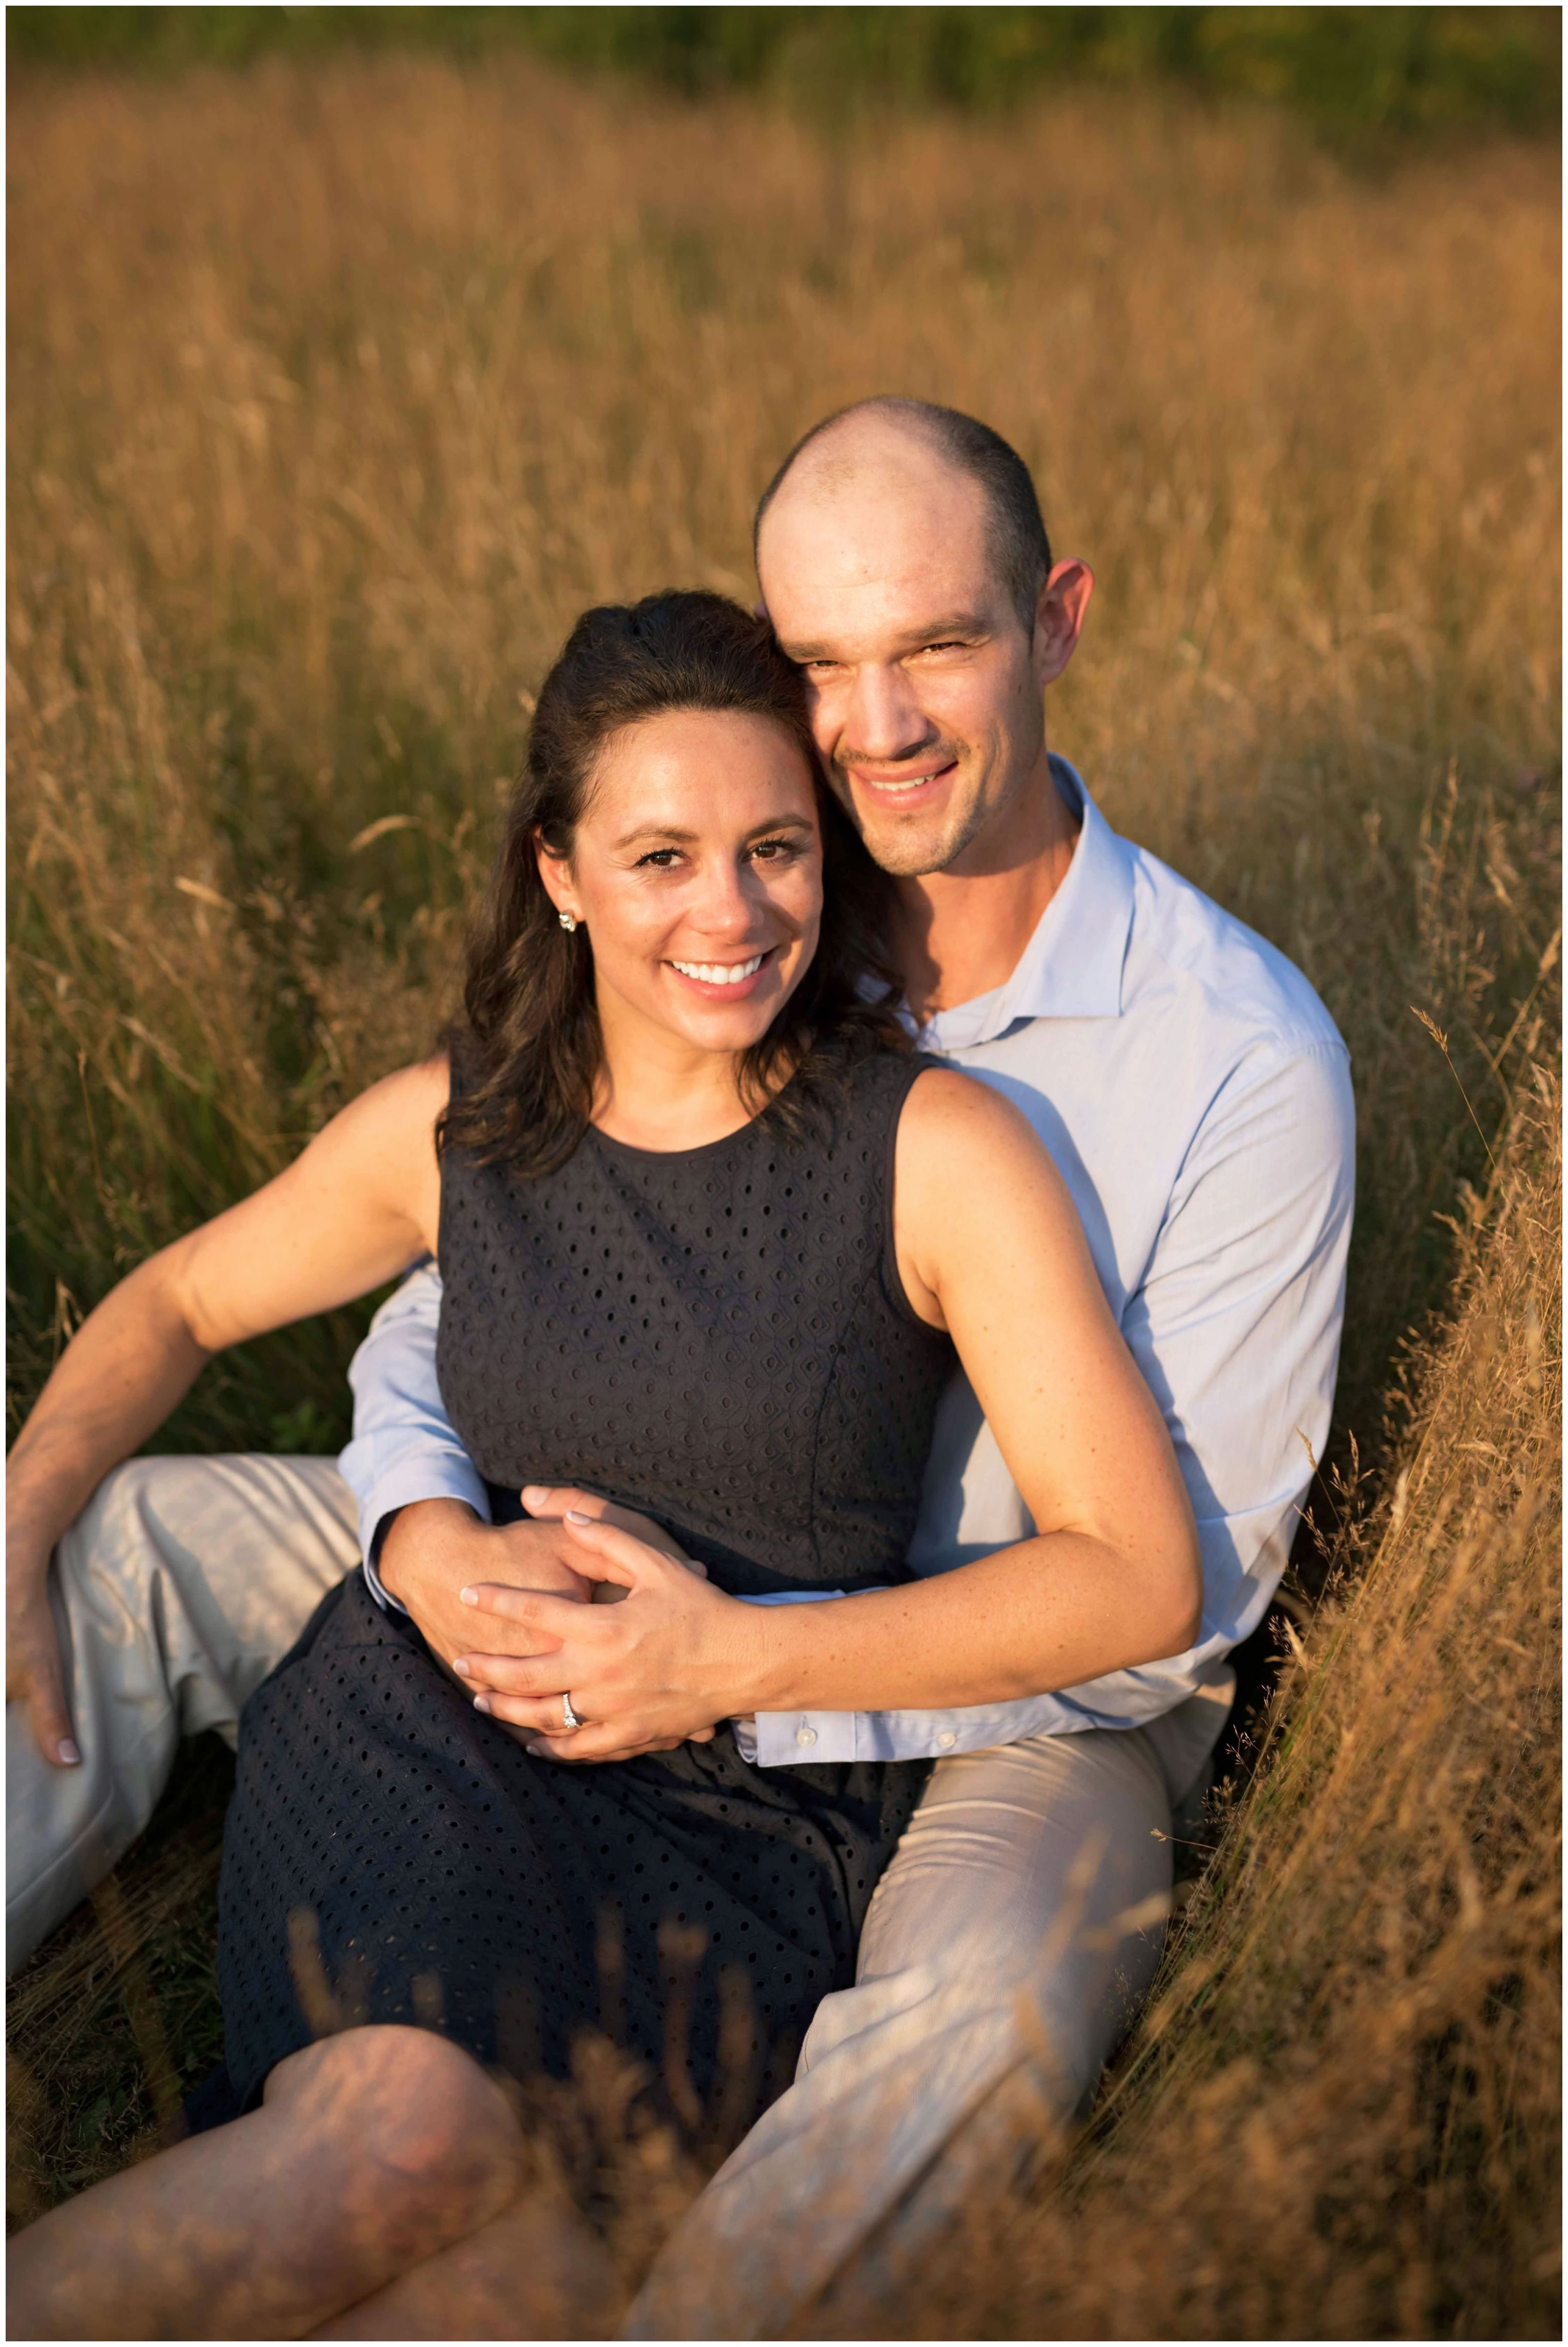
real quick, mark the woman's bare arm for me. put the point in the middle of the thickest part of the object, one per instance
(358, 1205)
(989, 1247)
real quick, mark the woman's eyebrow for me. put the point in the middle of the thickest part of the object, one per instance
(674, 834)
(793, 821)
(654, 831)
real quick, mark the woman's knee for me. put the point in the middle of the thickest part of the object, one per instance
(431, 2144)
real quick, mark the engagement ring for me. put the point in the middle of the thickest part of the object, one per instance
(567, 1714)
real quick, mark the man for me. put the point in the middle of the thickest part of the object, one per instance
(1195, 1097)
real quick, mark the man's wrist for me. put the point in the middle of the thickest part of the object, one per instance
(401, 1533)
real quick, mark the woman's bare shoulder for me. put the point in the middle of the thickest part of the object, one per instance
(414, 1095)
(971, 1173)
(948, 1110)
(386, 1134)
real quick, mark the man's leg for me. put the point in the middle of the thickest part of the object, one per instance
(179, 1585)
(1007, 1943)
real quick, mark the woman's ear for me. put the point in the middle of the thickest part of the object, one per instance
(555, 873)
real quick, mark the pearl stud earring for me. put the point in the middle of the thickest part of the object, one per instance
(569, 920)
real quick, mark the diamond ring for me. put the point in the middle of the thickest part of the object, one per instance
(566, 1713)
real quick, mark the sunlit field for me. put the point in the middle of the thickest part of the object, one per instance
(334, 394)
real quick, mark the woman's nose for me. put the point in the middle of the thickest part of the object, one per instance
(728, 901)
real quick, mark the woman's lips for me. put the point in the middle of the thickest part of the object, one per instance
(724, 981)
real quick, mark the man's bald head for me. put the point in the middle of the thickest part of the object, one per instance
(889, 434)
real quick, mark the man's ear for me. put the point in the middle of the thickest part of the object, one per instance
(1058, 617)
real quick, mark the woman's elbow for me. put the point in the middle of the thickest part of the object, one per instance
(1184, 1597)
(1175, 1611)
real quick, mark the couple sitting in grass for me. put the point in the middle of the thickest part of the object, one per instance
(857, 1176)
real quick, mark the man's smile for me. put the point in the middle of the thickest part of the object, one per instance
(903, 788)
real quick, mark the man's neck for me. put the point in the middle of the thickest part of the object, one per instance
(962, 931)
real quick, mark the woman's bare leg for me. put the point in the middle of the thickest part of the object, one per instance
(537, 2272)
(372, 2152)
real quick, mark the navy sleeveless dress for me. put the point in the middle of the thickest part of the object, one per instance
(718, 1338)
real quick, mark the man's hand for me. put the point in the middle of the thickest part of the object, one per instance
(434, 1547)
(33, 1672)
(658, 1671)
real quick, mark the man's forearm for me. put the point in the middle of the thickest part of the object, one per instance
(404, 1449)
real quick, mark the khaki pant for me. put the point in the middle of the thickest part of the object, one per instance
(1014, 1931)
(175, 1591)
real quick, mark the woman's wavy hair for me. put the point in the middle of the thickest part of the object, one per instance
(525, 1055)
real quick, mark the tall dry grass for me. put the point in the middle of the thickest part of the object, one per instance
(1340, 2114)
(333, 395)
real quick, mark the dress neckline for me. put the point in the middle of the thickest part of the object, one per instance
(703, 1148)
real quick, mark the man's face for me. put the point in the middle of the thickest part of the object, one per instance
(925, 687)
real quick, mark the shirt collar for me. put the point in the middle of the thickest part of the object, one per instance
(1072, 966)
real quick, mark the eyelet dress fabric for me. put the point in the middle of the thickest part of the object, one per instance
(718, 1338)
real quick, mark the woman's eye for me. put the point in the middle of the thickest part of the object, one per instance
(660, 858)
(775, 849)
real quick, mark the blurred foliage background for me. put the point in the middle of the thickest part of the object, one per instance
(1352, 71)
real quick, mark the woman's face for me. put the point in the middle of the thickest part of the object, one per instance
(696, 869)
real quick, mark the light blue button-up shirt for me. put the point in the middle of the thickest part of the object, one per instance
(1196, 1096)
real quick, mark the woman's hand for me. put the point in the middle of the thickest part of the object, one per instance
(659, 1669)
(33, 1674)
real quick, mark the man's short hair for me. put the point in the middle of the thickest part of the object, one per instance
(1019, 545)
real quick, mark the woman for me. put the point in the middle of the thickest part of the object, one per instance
(708, 1231)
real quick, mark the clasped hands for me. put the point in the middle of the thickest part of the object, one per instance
(656, 1661)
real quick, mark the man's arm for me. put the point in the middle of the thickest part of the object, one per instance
(424, 1509)
(404, 1448)
(1236, 1330)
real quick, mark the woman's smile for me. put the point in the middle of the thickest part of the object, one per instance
(728, 981)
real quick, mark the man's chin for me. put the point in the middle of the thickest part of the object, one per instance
(911, 849)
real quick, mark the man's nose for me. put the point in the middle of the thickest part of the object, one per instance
(883, 720)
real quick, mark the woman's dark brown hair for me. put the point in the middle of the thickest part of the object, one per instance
(525, 1055)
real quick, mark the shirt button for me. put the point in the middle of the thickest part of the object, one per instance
(804, 1735)
(946, 1739)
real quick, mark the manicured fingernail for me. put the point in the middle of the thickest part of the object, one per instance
(481, 1703)
(577, 1516)
(68, 1752)
(461, 1666)
(530, 1492)
(539, 1751)
(469, 1596)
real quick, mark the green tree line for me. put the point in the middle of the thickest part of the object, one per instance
(1352, 70)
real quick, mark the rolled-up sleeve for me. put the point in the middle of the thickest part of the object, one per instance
(404, 1446)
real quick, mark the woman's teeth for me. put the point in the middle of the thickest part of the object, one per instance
(714, 973)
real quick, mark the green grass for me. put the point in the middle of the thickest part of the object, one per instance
(1351, 71)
